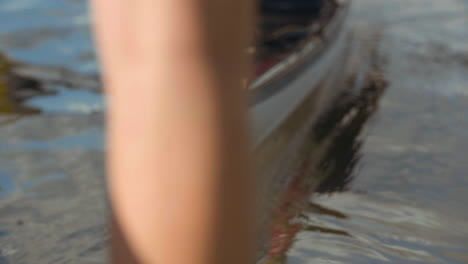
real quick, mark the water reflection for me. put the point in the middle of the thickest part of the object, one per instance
(336, 152)
(406, 200)
(322, 210)
(21, 86)
(321, 229)
(52, 188)
(15, 90)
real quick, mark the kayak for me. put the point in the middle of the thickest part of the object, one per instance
(308, 112)
(277, 91)
(288, 97)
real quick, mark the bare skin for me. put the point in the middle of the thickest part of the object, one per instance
(178, 157)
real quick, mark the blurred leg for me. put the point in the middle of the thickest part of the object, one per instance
(178, 156)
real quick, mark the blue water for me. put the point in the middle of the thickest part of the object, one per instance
(68, 101)
(52, 184)
(47, 32)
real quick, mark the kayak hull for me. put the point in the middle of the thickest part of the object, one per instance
(287, 104)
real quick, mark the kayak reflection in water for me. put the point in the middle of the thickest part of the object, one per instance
(332, 159)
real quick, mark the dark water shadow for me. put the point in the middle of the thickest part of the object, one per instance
(322, 210)
(333, 158)
(20, 83)
(347, 121)
(15, 90)
(326, 230)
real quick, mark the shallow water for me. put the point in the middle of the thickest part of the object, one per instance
(403, 201)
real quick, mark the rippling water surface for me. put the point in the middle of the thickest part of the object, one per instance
(406, 202)
(402, 199)
(52, 206)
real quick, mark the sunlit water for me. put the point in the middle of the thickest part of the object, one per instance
(404, 202)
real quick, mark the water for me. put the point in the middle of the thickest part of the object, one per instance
(52, 187)
(402, 199)
(406, 202)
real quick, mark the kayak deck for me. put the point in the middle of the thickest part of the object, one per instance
(282, 33)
